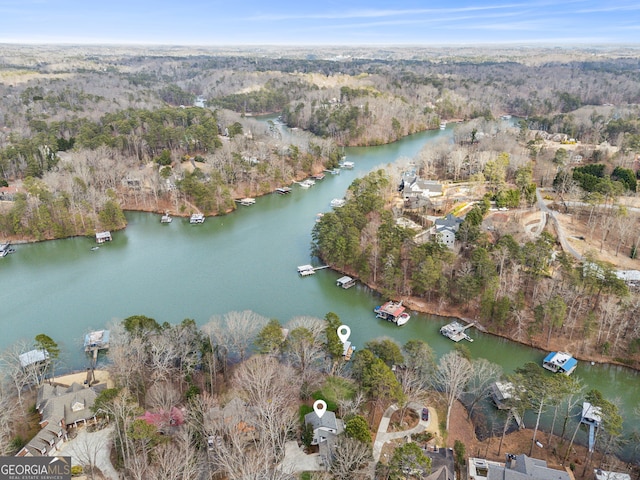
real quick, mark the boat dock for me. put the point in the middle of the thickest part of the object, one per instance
(345, 282)
(96, 341)
(247, 201)
(560, 362)
(6, 249)
(591, 416)
(166, 218)
(347, 350)
(102, 237)
(196, 218)
(306, 270)
(502, 393)
(283, 190)
(456, 331)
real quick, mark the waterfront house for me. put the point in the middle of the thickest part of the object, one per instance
(516, 467)
(412, 186)
(60, 408)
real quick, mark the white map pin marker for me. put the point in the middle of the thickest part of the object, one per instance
(343, 333)
(320, 406)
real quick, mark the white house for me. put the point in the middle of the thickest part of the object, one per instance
(445, 229)
(414, 186)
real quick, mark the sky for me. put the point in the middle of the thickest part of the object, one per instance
(320, 22)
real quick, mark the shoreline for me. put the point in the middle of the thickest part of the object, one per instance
(431, 308)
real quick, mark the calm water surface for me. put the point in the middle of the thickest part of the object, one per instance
(243, 261)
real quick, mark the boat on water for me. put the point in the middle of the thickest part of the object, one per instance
(456, 331)
(338, 202)
(347, 164)
(196, 218)
(93, 249)
(393, 312)
(560, 362)
(307, 183)
(6, 249)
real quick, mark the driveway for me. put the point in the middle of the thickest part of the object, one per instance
(295, 460)
(92, 447)
(383, 436)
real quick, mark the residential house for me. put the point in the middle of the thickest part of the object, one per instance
(60, 407)
(445, 229)
(414, 186)
(516, 467)
(325, 428)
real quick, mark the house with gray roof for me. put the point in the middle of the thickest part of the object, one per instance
(444, 229)
(414, 186)
(325, 428)
(516, 467)
(60, 407)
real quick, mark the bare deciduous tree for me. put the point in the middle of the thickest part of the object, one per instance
(451, 377)
(235, 330)
(350, 459)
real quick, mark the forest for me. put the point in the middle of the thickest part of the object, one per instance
(88, 133)
(91, 126)
(231, 399)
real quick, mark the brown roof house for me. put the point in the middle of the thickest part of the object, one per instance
(60, 407)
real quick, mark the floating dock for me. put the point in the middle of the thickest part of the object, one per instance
(306, 270)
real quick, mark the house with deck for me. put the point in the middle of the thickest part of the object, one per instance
(60, 408)
(412, 186)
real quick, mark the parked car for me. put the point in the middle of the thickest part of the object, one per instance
(425, 414)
